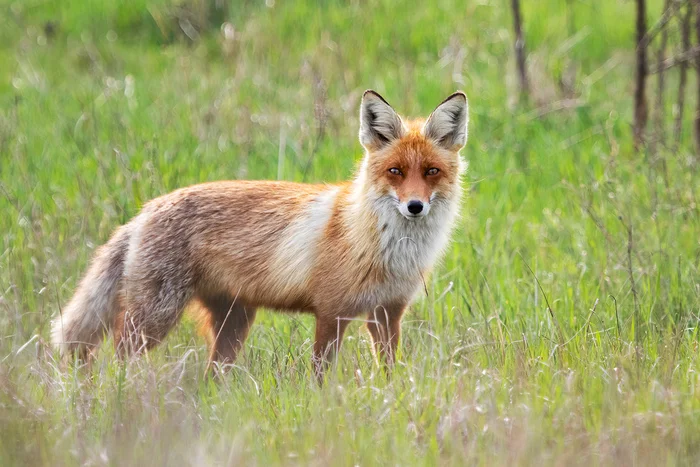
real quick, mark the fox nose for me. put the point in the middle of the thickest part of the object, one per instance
(415, 207)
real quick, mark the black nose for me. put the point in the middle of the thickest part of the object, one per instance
(415, 207)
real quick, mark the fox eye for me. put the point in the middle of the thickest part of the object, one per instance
(433, 171)
(395, 171)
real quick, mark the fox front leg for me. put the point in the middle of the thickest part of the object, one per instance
(329, 335)
(384, 325)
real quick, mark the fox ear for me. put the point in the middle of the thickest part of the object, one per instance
(379, 123)
(447, 125)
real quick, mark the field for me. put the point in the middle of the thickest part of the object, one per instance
(561, 327)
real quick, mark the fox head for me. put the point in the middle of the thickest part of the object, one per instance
(413, 164)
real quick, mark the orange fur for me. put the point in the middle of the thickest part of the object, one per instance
(337, 251)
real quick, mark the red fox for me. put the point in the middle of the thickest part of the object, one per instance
(355, 249)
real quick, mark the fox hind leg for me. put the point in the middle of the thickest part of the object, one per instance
(148, 313)
(227, 324)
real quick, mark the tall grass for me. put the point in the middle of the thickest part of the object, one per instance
(561, 327)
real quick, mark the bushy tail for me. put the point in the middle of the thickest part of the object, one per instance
(91, 312)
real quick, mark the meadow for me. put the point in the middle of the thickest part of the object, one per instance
(560, 328)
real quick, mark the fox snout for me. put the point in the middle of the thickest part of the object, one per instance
(414, 208)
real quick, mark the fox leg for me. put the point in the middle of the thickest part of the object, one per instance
(329, 335)
(229, 323)
(150, 311)
(384, 325)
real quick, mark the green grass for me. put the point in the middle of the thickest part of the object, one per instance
(104, 107)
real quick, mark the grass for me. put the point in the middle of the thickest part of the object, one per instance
(561, 327)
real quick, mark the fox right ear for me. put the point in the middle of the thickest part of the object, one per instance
(379, 123)
(447, 125)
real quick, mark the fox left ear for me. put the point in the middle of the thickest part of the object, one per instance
(447, 125)
(379, 123)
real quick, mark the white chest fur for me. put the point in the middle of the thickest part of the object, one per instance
(410, 248)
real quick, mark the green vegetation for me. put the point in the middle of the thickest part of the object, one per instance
(103, 107)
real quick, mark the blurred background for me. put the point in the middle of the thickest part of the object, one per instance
(568, 301)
